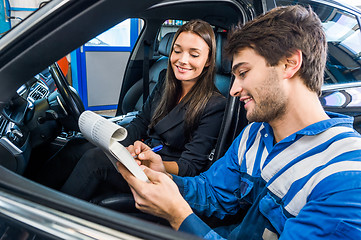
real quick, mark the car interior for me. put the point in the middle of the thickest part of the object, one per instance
(37, 122)
(233, 122)
(39, 109)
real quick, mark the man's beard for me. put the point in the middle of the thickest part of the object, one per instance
(271, 103)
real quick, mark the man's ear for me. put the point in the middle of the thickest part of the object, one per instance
(292, 64)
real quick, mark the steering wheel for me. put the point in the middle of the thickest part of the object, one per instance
(71, 100)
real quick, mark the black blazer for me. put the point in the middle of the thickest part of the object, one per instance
(190, 155)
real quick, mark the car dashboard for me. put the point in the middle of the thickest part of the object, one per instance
(20, 118)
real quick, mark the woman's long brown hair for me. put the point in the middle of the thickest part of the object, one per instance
(203, 89)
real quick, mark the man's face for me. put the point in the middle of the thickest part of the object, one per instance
(259, 86)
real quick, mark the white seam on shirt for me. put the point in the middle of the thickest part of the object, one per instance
(297, 148)
(282, 184)
(252, 154)
(300, 199)
(242, 144)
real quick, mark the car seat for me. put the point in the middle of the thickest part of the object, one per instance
(234, 118)
(133, 99)
(223, 65)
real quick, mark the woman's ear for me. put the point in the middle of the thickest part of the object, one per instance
(292, 64)
(207, 63)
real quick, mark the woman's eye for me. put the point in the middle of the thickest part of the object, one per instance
(176, 51)
(194, 55)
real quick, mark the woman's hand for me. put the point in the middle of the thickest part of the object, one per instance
(146, 157)
(159, 197)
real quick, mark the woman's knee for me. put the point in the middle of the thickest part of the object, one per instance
(94, 158)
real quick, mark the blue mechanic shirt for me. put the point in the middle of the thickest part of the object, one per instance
(307, 186)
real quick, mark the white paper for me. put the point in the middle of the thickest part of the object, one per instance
(106, 134)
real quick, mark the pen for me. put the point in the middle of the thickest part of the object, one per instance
(155, 149)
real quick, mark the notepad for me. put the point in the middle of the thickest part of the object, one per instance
(106, 135)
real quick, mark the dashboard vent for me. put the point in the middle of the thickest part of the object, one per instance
(3, 124)
(39, 92)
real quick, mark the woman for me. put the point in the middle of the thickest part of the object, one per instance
(183, 113)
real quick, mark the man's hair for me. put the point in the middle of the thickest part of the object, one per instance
(279, 33)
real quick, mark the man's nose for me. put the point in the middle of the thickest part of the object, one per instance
(236, 88)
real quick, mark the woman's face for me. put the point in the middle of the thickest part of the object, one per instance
(189, 56)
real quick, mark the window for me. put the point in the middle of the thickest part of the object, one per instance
(102, 63)
(344, 42)
(123, 34)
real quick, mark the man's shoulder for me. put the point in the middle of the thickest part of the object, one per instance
(249, 134)
(253, 128)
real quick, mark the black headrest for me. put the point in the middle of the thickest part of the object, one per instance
(223, 63)
(165, 44)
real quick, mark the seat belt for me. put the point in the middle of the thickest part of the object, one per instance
(146, 71)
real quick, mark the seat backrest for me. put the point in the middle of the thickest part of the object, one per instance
(133, 99)
(223, 65)
(234, 118)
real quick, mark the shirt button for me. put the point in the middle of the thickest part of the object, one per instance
(266, 135)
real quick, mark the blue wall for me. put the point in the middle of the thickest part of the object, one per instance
(4, 23)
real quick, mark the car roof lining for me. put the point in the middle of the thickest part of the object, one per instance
(222, 14)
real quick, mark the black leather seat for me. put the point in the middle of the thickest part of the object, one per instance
(234, 118)
(133, 99)
(223, 65)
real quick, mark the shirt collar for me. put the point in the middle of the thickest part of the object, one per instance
(313, 129)
(334, 120)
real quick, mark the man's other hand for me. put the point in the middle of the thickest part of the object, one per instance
(159, 197)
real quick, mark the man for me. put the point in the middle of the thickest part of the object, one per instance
(295, 169)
